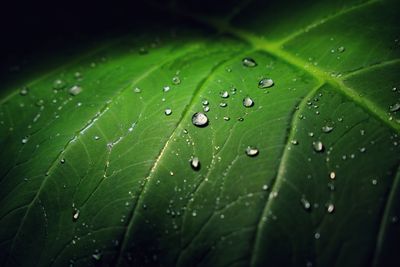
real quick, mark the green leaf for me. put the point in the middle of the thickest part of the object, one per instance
(94, 172)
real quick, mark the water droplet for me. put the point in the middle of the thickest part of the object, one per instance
(75, 215)
(318, 146)
(265, 187)
(176, 80)
(25, 140)
(224, 94)
(168, 111)
(205, 102)
(226, 118)
(223, 104)
(374, 181)
(305, 203)
(96, 256)
(327, 128)
(195, 163)
(58, 84)
(96, 137)
(395, 107)
(166, 88)
(332, 175)
(194, 214)
(200, 119)
(62, 161)
(206, 109)
(78, 75)
(249, 62)
(39, 103)
(341, 49)
(248, 102)
(265, 83)
(317, 235)
(330, 208)
(137, 90)
(75, 90)
(251, 151)
(294, 142)
(24, 91)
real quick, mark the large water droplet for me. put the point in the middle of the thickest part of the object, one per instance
(265, 83)
(318, 146)
(200, 119)
(249, 62)
(248, 102)
(252, 151)
(195, 163)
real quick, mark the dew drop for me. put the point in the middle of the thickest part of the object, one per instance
(265, 187)
(75, 90)
(317, 235)
(75, 215)
(341, 49)
(205, 102)
(305, 203)
(318, 146)
(58, 84)
(137, 90)
(327, 128)
(39, 103)
(96, 137)
(166, 88)
(25, 140)
(96, 256)
(332, 175)
(251, 151)
(248, 102)
(194, 214)
(24, 91)
(249, 62)
(62, 161)
(294, 142)
(374, 181)
(195, 163)
(176, 80)
(395, 107)
(223, 104)
(200, 119)
(224, 94)
(265, 83)
(168, 111)
(226, 118)
(330, 208)
(206, 109)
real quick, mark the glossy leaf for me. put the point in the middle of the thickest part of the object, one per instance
(98, 157)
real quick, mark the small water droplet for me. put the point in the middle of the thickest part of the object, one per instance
(176, 80)
(249, 62)
(294, 142)
(96, 256)
(96, 137)
(194, 213)
(75, 215)
(265, 83)
(341, 49)
(317, 235)
(224, 94)
(395, 107)
(223, 104)
(166, 88)
(58, 84)
(327, 128)
(168, 111)
(195, 163)
(200, 119)
(332, 175)
(75, 90)
(24, 91)
(137, 90)
(306, 204)
(206, 109)
(330, 208)
(39, 103)
(62, 161)
(265, 187)
(251, 151)
(205, 102)
(248, 102)
(318, 146)
(226, 118)
(374, 181)
(25, 140)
